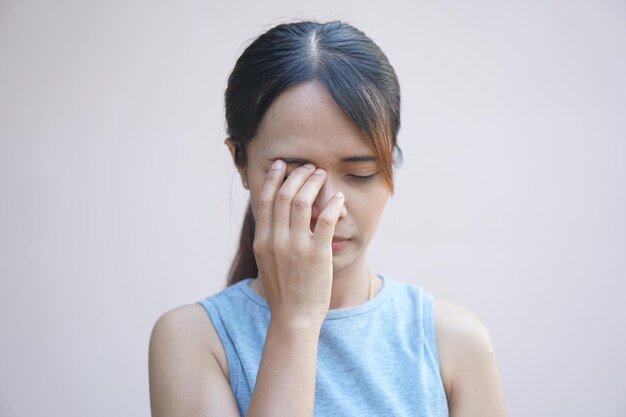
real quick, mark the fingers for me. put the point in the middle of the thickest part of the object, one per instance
(286, 206)
(284, 198)
(326, 221)
(303, 201)
(265, 203)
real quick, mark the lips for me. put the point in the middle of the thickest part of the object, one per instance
(339, 243)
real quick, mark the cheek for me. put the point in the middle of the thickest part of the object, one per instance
(254, 197)
(256, 182)
(367, 208)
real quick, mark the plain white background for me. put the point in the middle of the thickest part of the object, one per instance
(118, 199)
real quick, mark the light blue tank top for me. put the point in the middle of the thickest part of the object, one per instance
(378, 358)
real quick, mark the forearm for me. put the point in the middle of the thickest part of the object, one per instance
(285, 383)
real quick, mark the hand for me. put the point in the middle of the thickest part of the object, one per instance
(295, 264)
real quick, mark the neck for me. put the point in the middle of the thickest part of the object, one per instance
(350, 285)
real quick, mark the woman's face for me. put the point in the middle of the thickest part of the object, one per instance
(304, 124)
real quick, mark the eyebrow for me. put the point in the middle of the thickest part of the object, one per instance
(355, 158)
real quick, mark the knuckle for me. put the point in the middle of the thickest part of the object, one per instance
(257, 247)
(264, 202)
(326, 220)
(301, 202)
(283, 197)
(259, 244)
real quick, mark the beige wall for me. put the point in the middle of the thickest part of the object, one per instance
(118, 200)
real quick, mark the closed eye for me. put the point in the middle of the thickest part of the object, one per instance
(363, 178)
(357, 178)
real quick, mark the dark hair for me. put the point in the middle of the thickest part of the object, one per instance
(354, 70)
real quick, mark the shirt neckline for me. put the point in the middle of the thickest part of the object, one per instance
(333, 314)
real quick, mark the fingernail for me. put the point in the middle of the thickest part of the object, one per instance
(338, 194)
(278, 164)
(319, 171)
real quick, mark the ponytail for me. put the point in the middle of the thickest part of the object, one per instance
(244, 265)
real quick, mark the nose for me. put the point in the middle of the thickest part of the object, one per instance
(324, 196)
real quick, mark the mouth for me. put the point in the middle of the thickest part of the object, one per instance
(339, 243)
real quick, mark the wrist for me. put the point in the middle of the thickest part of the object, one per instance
(297, 325)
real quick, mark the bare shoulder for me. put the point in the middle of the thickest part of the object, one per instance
(459, 329)
(185, 373)
(189, 327)
(467, 360)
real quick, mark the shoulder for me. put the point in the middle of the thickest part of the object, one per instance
(460, 331)
(180, 321)
(186, 332)
(185, 375)
(466, 354)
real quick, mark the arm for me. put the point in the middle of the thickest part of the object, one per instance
(185, 377)
(295, 266)
(296, 270)
(285, 384)
(468, 363)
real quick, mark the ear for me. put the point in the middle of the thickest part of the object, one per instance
(242, 170)
(231, 146)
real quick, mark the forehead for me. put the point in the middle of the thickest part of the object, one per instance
(305, 122)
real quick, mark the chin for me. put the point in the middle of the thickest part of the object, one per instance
(342, 260)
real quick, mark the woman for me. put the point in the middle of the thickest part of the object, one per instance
(304, 328)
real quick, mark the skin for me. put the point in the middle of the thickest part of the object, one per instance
(188, 366)
(306, 123)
